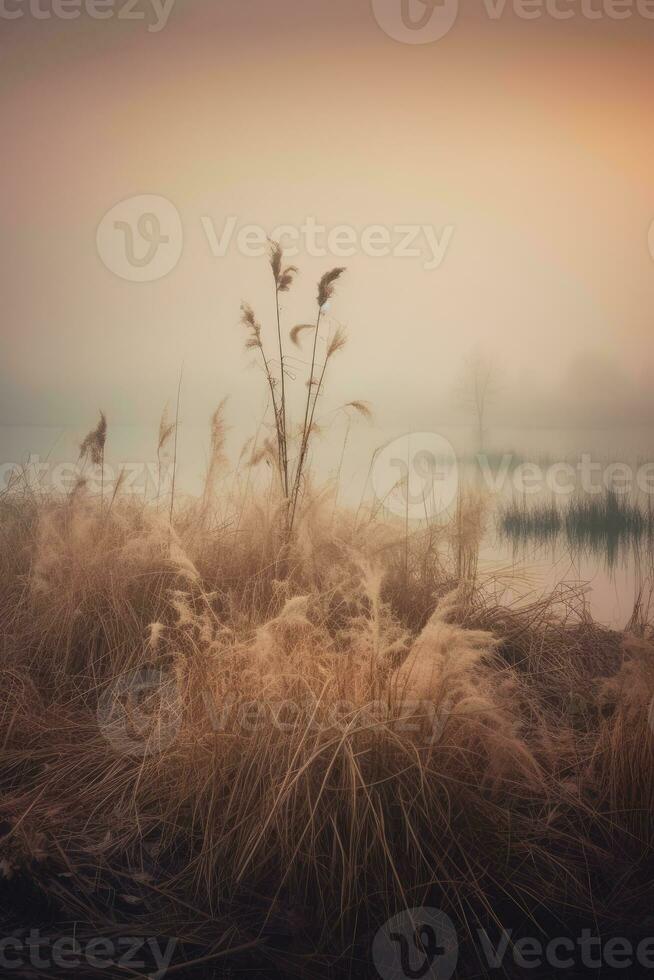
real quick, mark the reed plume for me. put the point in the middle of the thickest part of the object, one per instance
(363, 409)
(326, 285)
(166, 430)
(217, 457)
(92, 448)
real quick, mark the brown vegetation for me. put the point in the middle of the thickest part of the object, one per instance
(265, 743)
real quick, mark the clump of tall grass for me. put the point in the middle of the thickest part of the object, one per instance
(326, 756)
(290, 447)
(623, 759)
(337, 755)
(338, 723)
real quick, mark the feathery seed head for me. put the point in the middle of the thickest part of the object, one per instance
(298, 330)
(285, 281)
(166, 429)
(92, 446)
(326, 285)
(363, 408)
(251, 324)
(283, 276)
(218, 429)
(276, 254)
(337, 342)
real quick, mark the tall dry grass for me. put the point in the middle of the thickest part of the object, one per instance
(265, 735)
(337, 755)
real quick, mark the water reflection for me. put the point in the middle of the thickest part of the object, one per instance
(609, 527)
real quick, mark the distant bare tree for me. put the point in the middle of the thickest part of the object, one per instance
(478, 387)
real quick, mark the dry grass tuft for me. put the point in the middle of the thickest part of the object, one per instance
(262, 724)
(328, 754)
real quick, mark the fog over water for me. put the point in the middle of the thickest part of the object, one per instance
(524, 182)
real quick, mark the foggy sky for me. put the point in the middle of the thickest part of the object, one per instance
(531, 140)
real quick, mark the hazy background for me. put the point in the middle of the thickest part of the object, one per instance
(533, 139)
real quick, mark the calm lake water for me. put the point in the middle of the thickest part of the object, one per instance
(614, 568)
(560, 479)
